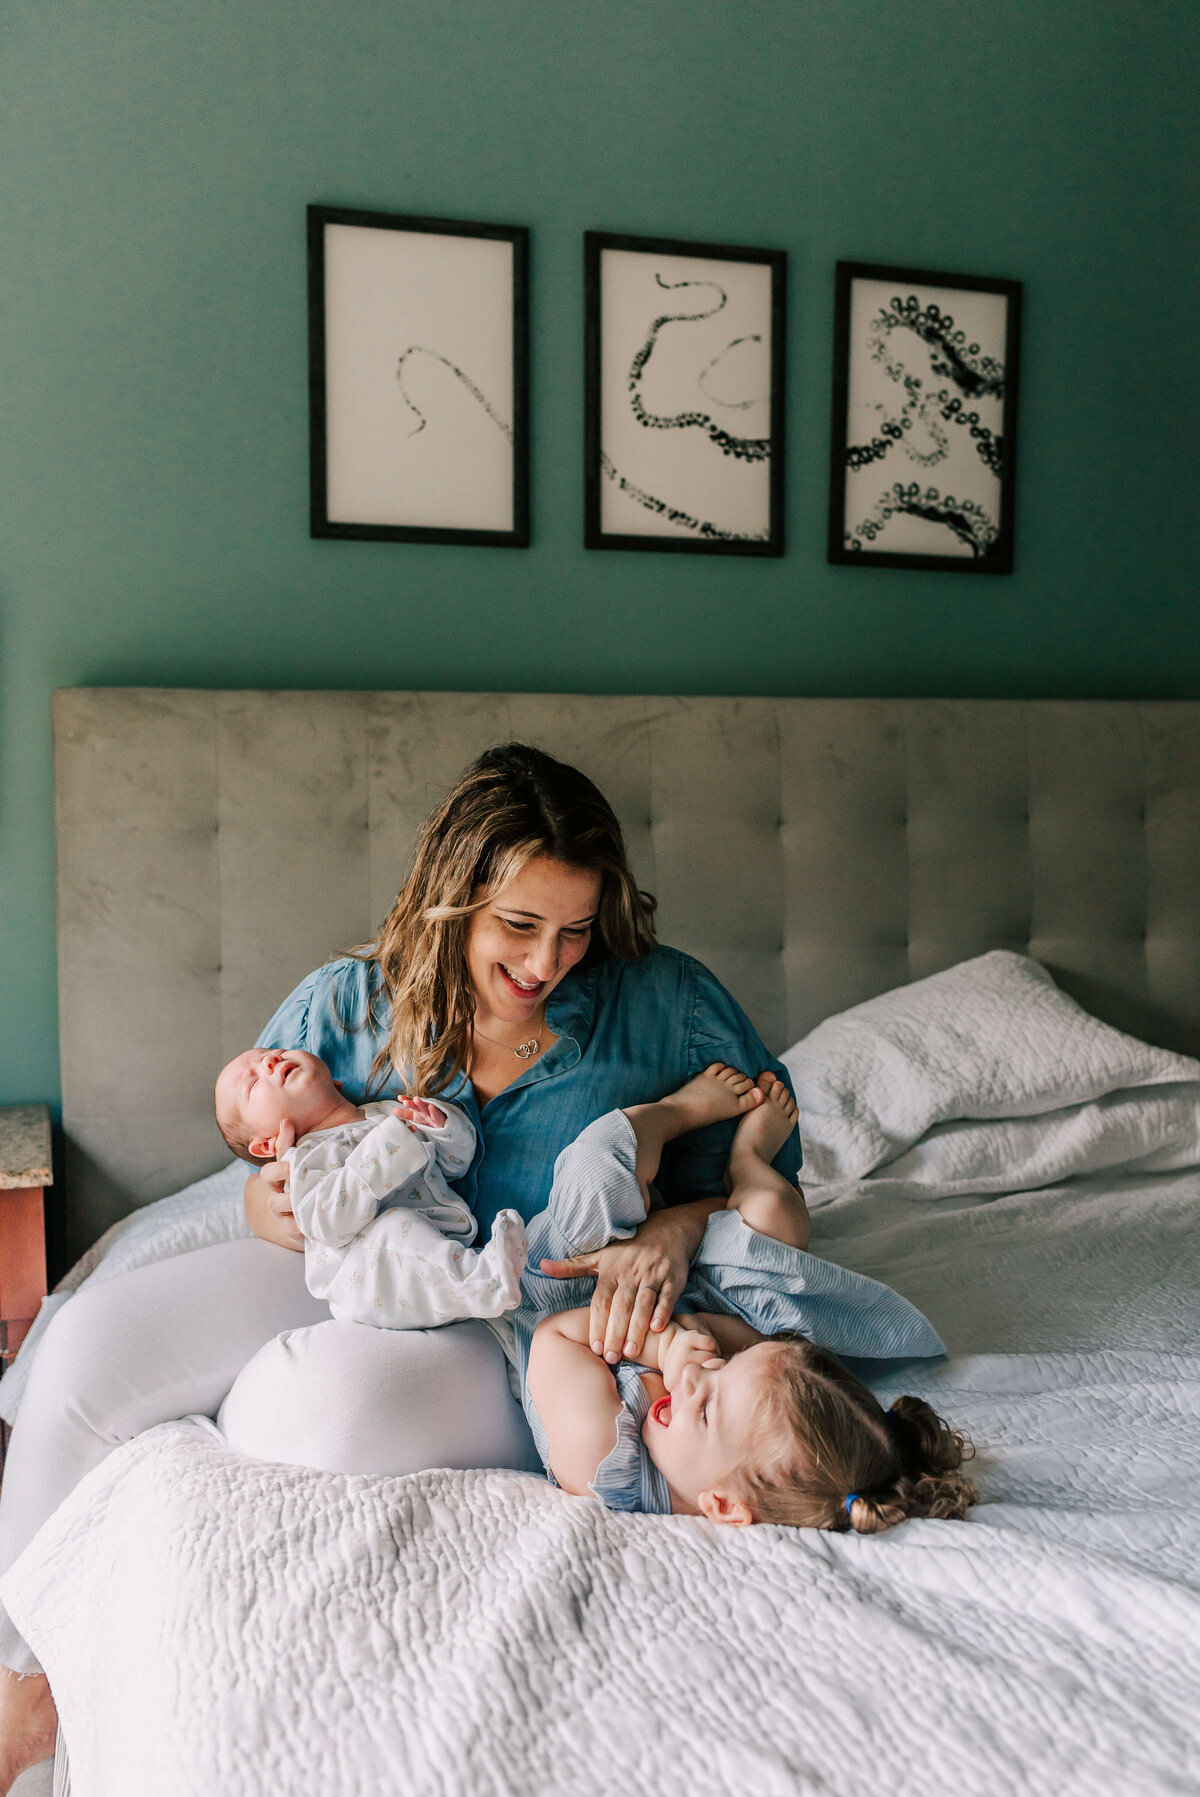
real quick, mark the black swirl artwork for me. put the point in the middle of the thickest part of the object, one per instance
(684, 438)
(731, 405)
(417, 349)
(730, 443)
(746, 449)
(952, 358)
(673, 514)
(965, 520)
(925, 377)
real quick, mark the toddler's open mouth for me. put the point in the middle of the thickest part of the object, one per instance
(660, 1412)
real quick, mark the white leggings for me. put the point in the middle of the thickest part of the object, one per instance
(170, 1340)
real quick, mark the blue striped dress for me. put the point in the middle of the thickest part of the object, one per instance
(595, 1199)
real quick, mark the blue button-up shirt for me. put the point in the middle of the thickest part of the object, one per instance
(628, 1032)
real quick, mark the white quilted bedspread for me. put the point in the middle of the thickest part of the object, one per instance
(216, 1625)
(230, 1628)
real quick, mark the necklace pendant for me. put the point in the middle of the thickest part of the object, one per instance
(525, 1051)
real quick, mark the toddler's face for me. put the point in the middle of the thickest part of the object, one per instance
(262, 1087)
(711, 1427)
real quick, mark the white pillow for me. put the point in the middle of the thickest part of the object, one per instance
(991, 1038)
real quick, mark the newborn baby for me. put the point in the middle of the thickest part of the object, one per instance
(384, 1236)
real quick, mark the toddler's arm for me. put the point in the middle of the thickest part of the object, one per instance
(575, 1395)
(333, 1204)
(575, 1392)
(731, 1334)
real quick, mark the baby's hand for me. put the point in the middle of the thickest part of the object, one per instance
(680, 1347)
(419, 1110)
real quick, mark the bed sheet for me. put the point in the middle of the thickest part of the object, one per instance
(253, 1626)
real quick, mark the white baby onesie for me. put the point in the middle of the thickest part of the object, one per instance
(385, 1237)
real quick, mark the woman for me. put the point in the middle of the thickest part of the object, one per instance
(517, 972)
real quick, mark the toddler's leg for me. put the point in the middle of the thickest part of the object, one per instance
(766, 1201)
(403, 1273)
(601, 1181)
(714, 1096)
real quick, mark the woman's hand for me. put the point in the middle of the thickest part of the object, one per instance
(638, 1282)
(268, 1209)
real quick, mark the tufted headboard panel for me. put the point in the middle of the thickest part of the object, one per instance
(215, 846)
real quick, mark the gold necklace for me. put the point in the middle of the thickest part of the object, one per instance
(524, 1051)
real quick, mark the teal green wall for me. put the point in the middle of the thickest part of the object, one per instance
(155, 161)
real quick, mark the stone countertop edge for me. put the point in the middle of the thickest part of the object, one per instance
(24, 1147)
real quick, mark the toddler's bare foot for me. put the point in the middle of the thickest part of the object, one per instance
(766, 1200)
(714, 1096)
(28, 1724)
(764, 1131)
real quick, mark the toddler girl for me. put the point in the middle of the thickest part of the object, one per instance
(733, 1413)
(384, 1236)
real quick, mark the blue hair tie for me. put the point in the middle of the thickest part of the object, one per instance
(852, 1499)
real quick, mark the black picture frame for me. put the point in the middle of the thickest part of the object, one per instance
(970, 522)
(319, 218)
(705, 541)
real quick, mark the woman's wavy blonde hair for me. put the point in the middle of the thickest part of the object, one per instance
(512, 805)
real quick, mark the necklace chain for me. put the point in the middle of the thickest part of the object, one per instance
(524, 1051)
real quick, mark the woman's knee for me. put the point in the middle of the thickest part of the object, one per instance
(343, 1397)
(73, 1362)
(167, 1339)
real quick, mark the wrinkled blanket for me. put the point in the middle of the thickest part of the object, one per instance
(227, 1627)
(221, 1626)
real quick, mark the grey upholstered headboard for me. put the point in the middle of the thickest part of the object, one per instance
(214, 846)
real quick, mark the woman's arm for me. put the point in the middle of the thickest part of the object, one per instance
(638, 1282)
(312, 1017)
(718, 1030)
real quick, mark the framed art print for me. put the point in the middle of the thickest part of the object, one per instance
(924, 436)
(684, 346)
(418, 378)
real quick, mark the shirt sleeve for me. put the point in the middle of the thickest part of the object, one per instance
(694, 1166)
(331, 1015)
(289, 1026)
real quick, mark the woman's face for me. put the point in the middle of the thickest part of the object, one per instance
(529, 935)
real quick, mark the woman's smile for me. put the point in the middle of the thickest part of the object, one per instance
(524, 988)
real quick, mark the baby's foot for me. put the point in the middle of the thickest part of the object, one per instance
(714, 1096)
(499, 1266)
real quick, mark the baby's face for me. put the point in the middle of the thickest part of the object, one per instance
(711, 1427)
(262, 1087)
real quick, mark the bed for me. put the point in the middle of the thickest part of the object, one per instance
(887, 886)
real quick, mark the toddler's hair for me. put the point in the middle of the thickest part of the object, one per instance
(893, 1464)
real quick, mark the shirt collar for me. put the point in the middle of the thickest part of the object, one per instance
(571, 1007)
(571, 1016)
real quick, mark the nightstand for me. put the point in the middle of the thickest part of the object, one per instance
(24, 1176)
